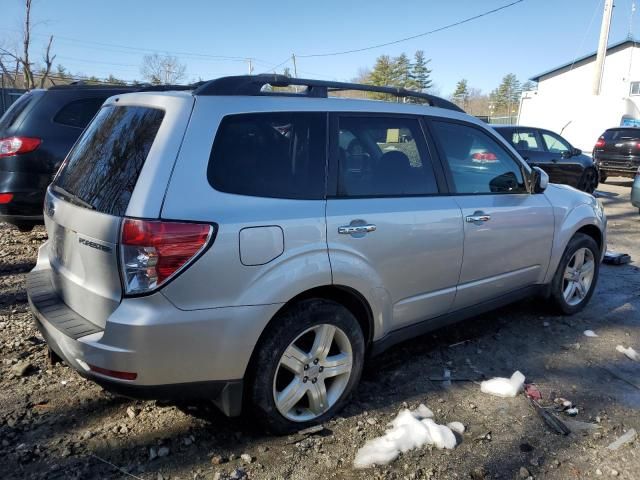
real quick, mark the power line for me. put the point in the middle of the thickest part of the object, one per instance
(430, 32)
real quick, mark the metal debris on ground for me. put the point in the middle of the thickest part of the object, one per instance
(615, 258)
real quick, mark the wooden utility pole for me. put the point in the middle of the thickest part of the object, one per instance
(295, 68)
(250, 62)
(602, 46)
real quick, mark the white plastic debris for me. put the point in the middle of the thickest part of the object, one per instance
(629, 352)
(572, 412)
(590, 333)
(457, 427)
(409, 430)
(504, 387)
(628, 437)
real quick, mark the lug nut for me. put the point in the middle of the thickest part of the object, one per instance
(321, 369)
(315, 362)
(304, 380)
(314, 380)
(306, 367)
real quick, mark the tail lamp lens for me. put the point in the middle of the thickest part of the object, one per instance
(154, 251)
(5, 198)
(17, 145)
(600, 143)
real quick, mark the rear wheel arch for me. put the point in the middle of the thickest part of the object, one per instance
(351, 299)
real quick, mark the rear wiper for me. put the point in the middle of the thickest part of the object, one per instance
(71, 197)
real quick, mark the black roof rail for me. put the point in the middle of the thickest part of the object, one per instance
(141, 87)
(254, 85)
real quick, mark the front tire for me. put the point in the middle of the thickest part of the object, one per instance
(307, 366)
(575, 280)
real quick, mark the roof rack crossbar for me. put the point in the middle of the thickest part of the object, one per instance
(252, 85)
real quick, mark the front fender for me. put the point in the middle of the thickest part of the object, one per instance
(568, 222)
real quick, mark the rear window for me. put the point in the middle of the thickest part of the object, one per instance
(102, 169)
(11, 116)
(78, 113)
(280, 155)
(622, 134)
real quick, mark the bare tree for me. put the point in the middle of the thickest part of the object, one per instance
(162, 69)
(21, 60)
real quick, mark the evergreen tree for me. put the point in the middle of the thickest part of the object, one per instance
(402, 72)
(383, 72)
(420, 73)
(461, 93)
(507, 96)
(287, 72)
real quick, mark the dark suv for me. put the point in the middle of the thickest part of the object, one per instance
(617, 152)
(554, 154)
(36, 133)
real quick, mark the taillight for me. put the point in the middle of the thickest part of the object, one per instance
(484, 156)
(5, 198)
(17, 145)
(153, 251)
(600, 143)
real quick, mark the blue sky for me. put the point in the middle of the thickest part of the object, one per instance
(98, 38)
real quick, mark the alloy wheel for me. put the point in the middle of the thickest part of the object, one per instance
(312, 373)
(578, 276)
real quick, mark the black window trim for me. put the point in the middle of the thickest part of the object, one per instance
(333, 157)
(526, 173)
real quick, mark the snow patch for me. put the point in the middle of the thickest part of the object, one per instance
(629, 352)
(590, 333)
(409, 430)
(504, 387)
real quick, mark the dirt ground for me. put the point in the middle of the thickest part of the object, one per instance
(54, 424)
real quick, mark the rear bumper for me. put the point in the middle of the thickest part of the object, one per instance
(28, 196)
(618, 167)
(175, 354)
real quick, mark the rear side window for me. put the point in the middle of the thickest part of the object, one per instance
(622, 134)
(526, 140)
(279, 155)
(383, 156)
(78, 113)
(11, 116)
(478, 164)
(102, 169)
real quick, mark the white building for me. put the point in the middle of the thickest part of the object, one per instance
(564, 101)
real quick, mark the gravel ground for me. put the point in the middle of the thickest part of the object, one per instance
(54, 424)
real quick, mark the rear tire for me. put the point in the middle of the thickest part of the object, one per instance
(325, 350)
(575, 280)
(589, 180)
(603, 177)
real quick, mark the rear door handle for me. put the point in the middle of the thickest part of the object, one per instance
(355, 229)
(478, 217)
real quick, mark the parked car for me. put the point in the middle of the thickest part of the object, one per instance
(617, 152)
(554, 154)
(635, 191)
(36, 133)
(252, 248)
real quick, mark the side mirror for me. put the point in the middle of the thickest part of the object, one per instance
(540, 180)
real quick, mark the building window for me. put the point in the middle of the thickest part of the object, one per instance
(635, 88)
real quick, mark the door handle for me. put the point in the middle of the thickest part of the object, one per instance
(478, 217)
(351, 229)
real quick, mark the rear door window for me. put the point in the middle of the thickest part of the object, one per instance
(78, 113)
(102, 169)
(383, 156)
(278, 155)
(477, 163)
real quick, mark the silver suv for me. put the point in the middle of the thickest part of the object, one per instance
(250, 245)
